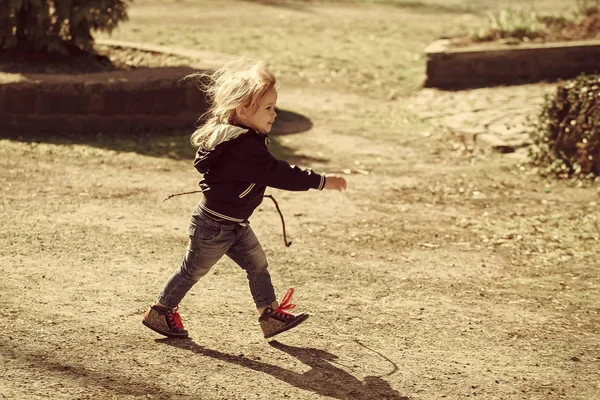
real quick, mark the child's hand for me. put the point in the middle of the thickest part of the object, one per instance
(334, 182)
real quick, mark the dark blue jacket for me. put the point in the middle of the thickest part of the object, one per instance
(237, 172)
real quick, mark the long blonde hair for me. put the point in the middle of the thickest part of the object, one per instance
(239, 83)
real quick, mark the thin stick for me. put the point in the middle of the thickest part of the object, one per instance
(181, 194)
(285, 241)
(287, 244)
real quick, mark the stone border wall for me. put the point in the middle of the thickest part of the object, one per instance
(503, 64)
(108, 102)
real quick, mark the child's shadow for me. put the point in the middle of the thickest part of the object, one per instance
(323, 378)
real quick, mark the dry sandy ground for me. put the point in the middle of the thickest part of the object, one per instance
(442, 272)
(435, 275)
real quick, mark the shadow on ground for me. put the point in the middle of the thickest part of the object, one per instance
(282, 4)
(429, 8)
(174, 144)
(324, 378)
(418, 6)
(79, 375)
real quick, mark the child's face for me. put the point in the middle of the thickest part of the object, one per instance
(261, 119)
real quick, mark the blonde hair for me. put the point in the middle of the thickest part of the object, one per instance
(239, 83)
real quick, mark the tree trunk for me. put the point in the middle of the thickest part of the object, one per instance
(22, 29)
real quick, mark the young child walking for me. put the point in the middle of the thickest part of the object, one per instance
(236, 167)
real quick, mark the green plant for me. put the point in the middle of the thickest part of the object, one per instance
(57, 25)
(587, 7)
(566, 135)
(512, 23)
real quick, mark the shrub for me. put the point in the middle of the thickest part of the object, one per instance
(517, 23)
(566, 135)
(57, 25)
(511, 23)
(587, 7)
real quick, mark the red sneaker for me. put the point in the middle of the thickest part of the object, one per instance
(165, 321)
(275, 321)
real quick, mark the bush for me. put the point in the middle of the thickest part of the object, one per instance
(57, 25)
(511, 23)
(587, 7)
(566, 136)
(516, 23)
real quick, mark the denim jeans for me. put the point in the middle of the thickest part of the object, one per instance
(209, 241)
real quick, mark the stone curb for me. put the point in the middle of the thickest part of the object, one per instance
(504, 64)
(204, 59)
(487, 140)
(109, 102)
(498, 118)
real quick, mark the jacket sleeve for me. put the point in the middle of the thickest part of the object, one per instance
(263, 168)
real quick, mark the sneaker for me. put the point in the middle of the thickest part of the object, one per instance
(165, 321)
(274, 321)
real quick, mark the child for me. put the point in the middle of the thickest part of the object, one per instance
(237, 167)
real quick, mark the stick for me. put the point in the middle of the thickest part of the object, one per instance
(285, 241)
(287, 244)
(181, 194)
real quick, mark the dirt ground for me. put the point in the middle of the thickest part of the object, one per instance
(442, 272)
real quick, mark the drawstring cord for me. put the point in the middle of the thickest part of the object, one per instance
(285, 241)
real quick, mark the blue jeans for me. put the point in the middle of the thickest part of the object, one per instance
(209, 241)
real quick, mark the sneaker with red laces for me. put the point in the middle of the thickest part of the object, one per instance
(275, 321)
(165, 321)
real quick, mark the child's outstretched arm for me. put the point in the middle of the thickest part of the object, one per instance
(263, 168)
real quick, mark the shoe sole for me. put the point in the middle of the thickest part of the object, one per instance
(167, 334)
(290, 326)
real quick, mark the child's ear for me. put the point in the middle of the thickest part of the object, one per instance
(241, 111)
